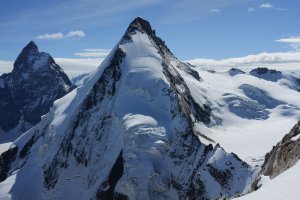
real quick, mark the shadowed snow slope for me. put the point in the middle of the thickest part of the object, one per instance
(127, 132)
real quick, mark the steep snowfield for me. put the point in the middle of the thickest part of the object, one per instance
(284, 186)
(4, 146)
(127, 131)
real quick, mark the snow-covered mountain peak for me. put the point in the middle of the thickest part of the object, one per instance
(140, 25)
(28, 92)
(31, 59)
(127, 133)
(30, 46)
(27, 55)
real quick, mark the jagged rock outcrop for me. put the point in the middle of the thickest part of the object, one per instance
(290, 80)
(264, 70)
(28, 92)
(284, 155)
(235, 71)
(128, 133)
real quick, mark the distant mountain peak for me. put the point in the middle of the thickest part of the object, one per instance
(28, 92)
(27, 55)
(30, 48)
(31, 45)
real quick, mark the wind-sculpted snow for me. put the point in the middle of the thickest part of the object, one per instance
(255, 106)
(246, 108)
(128, 133)
(261, 96)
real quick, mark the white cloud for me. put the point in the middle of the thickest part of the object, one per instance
(293, 42)
(95, 49)
(215, 11)
(266, 6)
(290, 40)
(52, 36)
(6, 66)
(278, 60)
(94, 53)
(74, 67)
(76, 34)
(71, 66)
(59, 35)
(251, 9)
(92, 58)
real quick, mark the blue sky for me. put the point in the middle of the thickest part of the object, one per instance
(214, 29)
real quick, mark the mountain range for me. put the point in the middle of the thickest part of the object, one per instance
(146, 125)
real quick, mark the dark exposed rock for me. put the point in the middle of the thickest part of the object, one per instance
(143, 26)
(284, 155)
(104, 88)
(6, 159)
(267, 74)
(26, 147)
(188, 68)
(222, 177)
(264, 70)
(107, 191)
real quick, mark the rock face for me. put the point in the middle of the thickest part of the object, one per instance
(267, 74)
(284, 155)
(126, 133)
(235, 71)
(290, 80)
(30, 89)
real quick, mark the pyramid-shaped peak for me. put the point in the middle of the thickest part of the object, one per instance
(27, 55)
(140, 24)
(31, 45)
(29, 49)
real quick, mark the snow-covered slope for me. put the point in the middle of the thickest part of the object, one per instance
(29, 91)
(290, 80)
(253, 113)
(79, 80)
(128, 132)
(281, 163)
(284, 186)
(284, 155)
